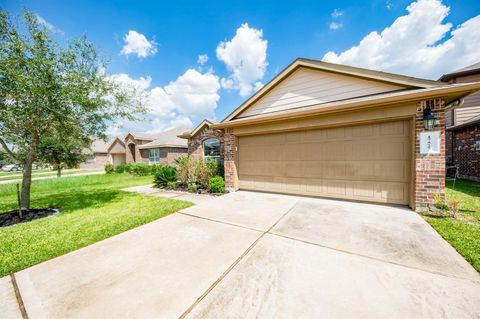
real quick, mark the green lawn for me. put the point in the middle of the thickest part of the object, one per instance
(94, 209)
(6, 176)
(463, 235)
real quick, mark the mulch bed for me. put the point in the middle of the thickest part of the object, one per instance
(13, 217)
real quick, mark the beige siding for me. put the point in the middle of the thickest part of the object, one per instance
(307, 87)
(466, 113)
(365, 162)
(449, 118)
(471, 105)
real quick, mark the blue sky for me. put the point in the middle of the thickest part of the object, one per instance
(155, 45)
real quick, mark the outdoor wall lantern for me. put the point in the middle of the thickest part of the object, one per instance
(428, 118)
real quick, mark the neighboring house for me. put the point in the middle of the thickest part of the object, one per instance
(137, 147)
(96, 156)
(463, 128)
(329, 130)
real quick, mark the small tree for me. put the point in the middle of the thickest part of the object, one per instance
(48, 89)
(62, 152)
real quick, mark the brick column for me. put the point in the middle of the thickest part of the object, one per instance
(429, 168)
(230, 163)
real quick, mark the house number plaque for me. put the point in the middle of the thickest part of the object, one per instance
(430, 142)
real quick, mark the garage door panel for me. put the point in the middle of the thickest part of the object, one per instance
(366, 162)
(335, 170)
(312, 152)
(333, 151)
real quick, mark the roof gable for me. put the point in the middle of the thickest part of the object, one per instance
(196, 130)
(306, 82)
(116, 146)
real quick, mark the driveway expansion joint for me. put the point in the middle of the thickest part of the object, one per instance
(18, 296)
(237, 261)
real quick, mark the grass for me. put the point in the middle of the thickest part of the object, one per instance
(463, 234)
(94, 208)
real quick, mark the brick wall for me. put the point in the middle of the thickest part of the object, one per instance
(169, 154)
(195, 143)
(230, 160)
(465, 155)
(449, 146)
(430, 168)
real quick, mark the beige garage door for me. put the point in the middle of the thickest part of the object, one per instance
(366, 162)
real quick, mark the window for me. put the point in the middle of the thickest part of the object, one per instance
(211, 148)
(154, 155)
(477, 145)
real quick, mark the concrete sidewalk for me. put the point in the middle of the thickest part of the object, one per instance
(254, 255)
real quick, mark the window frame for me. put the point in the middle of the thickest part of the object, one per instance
(150, 157)
(205, 149)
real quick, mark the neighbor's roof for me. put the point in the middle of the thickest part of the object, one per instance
(392, 78)
(450, 92)
(471, 69)
(99, 146)
(167, 139)
(473, 121)
(187, 135)
(143, 136)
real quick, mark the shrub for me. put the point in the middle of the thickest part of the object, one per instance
(216, 184)
(164, 176)
(156, 167)
(454, 205)
(121, 168)
(204, 169)
(140, 169)
(172, 185)
(192, 187)
(220, 169)
(109, 169)
(185, 171)
(439, 203)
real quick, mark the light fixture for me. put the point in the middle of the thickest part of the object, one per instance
(428, 118)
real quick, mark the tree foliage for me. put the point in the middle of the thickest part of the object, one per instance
(53, 92)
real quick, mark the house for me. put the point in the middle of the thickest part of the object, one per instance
(463, 129)
(96, 155)
(137, 147)
(329, 130)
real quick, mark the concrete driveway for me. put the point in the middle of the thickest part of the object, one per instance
(254, 255)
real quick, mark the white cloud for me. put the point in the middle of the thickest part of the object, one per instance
(202, 59)
(137, 43)
(115, 129)
(336, 13)
(50, 27)
(418, 43)
(388, 5)
(335, 26)
(190, 98)
(245, 56)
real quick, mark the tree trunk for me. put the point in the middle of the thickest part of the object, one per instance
(59, 172)
(27, 174)
(27, 181)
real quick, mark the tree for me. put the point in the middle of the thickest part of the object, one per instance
(49, 89)
(62, 151)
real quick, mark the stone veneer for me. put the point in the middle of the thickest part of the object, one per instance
(464, 154)
(195, 143)
(429, 177)
(230, 161)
